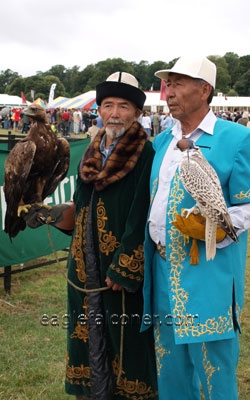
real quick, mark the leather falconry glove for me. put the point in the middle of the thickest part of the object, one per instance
(39, 215)
(193, 227)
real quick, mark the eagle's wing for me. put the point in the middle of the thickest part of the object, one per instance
(17, 168)
(60, 169)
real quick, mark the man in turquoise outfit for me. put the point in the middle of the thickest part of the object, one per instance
(195, 309)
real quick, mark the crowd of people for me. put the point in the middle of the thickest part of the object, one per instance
(76, 121)
(63, 121)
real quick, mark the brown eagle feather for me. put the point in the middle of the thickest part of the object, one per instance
(33, 168)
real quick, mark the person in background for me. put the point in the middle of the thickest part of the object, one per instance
(16, 118)
(99, 122)
(167, 122)
(146, 123)
(93, 130)
(195, 304)
(77, 121)
(59, 120)
(244, 119)
(156, 123)
(107, 356)
(65, 122)
(25, 123)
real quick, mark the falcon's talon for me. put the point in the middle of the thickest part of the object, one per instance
(193, 210)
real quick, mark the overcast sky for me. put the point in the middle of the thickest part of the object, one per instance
(36, 35)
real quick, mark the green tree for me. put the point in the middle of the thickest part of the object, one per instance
(223, 78)
(141, 73)
(233, 61)
(6, 78)
(155, 83)
(40, 84)
(242, 85)
(16, 87)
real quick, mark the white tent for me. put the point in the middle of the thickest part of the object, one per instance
(7, 100)
(154, 102)
(225, 103)
(219, 102)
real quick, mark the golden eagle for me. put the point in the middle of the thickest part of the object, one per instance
(33, 169)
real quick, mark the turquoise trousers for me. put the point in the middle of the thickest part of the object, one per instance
(184, 370)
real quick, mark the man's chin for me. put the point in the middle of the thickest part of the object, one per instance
(115, 133)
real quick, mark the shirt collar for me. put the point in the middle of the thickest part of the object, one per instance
(206, 125)
(106, 153)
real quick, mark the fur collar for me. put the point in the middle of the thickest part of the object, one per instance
(120, 162)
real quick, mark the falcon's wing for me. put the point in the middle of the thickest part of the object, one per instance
(201, 181)
(60, 169)
(17, 169)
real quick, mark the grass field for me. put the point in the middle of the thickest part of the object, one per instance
(32, 355)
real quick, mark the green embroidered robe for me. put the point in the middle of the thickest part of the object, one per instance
(119, 215)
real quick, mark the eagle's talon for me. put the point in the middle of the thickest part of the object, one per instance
(23, 208)
(42, 205)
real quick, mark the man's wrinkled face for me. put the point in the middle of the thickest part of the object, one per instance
(117, 115)
(185, 95)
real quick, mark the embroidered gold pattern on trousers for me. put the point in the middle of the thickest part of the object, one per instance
(160, 351)
(209, 369)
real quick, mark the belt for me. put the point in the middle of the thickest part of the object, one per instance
(162, 251)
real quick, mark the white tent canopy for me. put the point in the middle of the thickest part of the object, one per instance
(153, 101)
(7, 100)
(219, 103)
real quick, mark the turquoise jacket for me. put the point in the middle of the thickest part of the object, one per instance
(206, 299)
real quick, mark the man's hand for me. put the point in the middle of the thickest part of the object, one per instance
(194, 226)
(112, 285)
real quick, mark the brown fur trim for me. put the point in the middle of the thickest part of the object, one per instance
(120, 162)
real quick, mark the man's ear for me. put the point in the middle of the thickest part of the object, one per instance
(206, 89)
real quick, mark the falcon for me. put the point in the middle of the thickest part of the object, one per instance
(33, 169)
(202, 183)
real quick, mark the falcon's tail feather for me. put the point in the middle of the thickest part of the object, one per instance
(210, 238)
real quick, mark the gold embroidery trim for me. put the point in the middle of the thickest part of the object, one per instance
(107, 241)
(179, 295)
(209, 369)
(160, 351)
(76, 373)
(134, 263)
(134, 390)
(78, 246)
(242, 195)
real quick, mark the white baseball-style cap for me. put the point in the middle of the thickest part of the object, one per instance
(198, 68)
